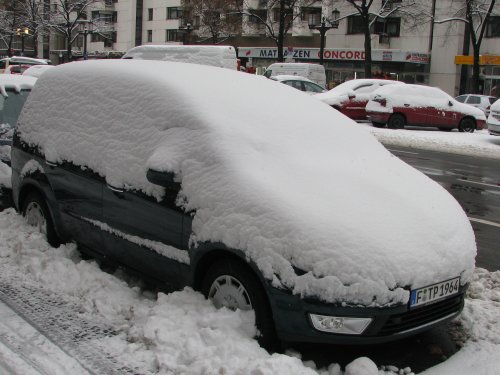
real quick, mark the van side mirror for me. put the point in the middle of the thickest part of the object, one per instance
(351, 94)
(165, 179)
(450, 103)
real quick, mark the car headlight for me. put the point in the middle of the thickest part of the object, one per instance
(340, 324)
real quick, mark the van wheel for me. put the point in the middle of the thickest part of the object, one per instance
(36, 212)
(396, 121)
(467, 125)
(229, 283)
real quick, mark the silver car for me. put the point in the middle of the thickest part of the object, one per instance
(482, 102)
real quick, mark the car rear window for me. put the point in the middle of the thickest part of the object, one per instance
(474, 100)
(461, 98)
(492, 99)
(10, 106)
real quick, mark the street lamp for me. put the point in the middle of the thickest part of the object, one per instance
(23, 34)
(186, 30)
(85, 33)
(323, 28)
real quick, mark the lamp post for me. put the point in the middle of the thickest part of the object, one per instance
(85, 33)
(23, 34)
(325, 25)
(186, 30)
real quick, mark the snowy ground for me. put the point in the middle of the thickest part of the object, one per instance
(182, 333)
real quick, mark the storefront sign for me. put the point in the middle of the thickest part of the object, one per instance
(335, 54)
(483, 60)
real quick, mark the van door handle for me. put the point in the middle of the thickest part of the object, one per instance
(407, 105)
(50, 164)
(116, 190)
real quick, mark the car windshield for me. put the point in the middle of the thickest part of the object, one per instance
(11, 105)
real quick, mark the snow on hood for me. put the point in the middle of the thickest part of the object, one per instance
(420, 96)
(15, 81)
(269, 170)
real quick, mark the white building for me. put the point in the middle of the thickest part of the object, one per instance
(420, 52)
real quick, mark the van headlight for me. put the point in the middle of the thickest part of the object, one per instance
(340, 324)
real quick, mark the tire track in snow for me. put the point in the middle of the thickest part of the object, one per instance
(56, 320)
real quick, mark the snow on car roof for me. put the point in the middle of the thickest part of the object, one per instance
(266, 169)
(353, 84)
(220, 56)
(424, 96)
(16, 81)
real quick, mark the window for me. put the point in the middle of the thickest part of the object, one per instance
(355, 25)
(311, 15)
(257, 16)
(493, 27)
(288, 15)
(474, 100)
(311, 87)
(150, 36)
(388, 26)
(172, 35)
(461, 98)
(174, 13)
(150, 14)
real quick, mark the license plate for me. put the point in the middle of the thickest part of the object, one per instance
(434, 292)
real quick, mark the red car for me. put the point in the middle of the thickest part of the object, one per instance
(399, 105)
(350, 97)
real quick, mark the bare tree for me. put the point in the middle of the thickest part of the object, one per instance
(9, 23)
(31, 14)
(280, 23)
(475, 14)
(66, 16)
(371, 12)
(218, 18)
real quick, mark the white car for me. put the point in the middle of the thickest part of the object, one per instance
(494, 119)
(483, 102)
(300, 83)
(350, 97)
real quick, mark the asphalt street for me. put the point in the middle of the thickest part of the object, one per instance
(475, 184)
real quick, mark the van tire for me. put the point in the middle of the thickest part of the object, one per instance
(244, 283)
(36, 212)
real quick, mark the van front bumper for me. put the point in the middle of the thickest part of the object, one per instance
(292, 316)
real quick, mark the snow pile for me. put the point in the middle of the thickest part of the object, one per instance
(219, 56)
(183, 333)
(478, 144)
(282, 177)
(37, 70)
(419, 96)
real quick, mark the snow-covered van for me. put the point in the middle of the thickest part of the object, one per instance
(220, 56)
(317, 229)
(314, 72)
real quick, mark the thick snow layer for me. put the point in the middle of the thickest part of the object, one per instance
(360, 88)
(281, 177)
(419, 96)
(220, 56)
(37, 70)
(183, 333)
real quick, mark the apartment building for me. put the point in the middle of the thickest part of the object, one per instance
(405, 45)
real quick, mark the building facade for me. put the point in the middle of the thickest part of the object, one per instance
(405, 46)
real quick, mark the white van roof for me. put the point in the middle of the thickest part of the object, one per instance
(220, 56)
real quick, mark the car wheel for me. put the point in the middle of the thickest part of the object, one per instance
(396, 121)
(467, 125)
(36, 213)
(378, 124)
(230, 283)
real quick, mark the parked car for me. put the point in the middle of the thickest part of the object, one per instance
(314, 72)
(37, 70)
(494, 119)
(350, 97)
(20, 60)
(397, 106)
(255, 200)
(483, 102)
(300, 83)
(14, 89)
